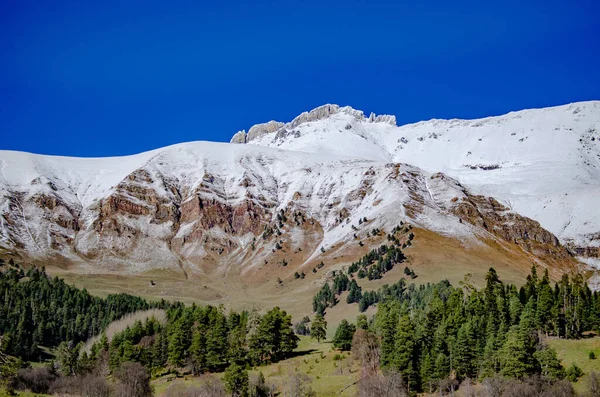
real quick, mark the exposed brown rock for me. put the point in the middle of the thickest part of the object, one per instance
(586, 252)
(492, 216)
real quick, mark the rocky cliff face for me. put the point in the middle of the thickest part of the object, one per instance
(258, 130)
(487, 213)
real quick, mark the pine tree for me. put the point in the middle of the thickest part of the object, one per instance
(236, 380)
(441, 366)
(532, 284)
(490, 364)
(575, 308)
(361, 322)
(177, 346)
(545, 303)
(491, 306)
(465, 355)
(318, 328)
(528, 335)
(198, 351)
(67, 356)
(427, 371)
(515, 308)
(404, 357)
(127, 353)
(274, 337)
(354, 292)
(236, 342)
(104, 342)
(216, 343)
(155, 352)
(513, 356)
(343, 335)
(386, 322)
(549, 363)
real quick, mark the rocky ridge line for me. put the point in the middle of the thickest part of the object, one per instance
(319, 113)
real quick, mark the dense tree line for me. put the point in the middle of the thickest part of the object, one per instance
(377, 262)
(204, 338)
(401, 292)
(437, 332)
(372, 265)
(38, 310)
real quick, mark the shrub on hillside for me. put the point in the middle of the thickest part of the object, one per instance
(210, 387)
(573, 373)
(85, 386)
(38, 380)
(133, 381)
(389, 384)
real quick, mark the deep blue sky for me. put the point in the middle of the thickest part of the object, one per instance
(97, 78)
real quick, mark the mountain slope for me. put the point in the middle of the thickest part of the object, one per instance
(541, 163)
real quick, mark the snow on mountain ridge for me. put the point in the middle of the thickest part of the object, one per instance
(318, 113)
(91, 179)
(543, 163)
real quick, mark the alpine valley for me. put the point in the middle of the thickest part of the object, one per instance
(238, 222)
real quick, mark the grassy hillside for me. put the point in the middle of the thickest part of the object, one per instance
(433, 257)
(576, 351)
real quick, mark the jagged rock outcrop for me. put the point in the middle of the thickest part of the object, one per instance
(239, 137)
(383, 118)
(244, 217)
(319, 113)
(585, 252)
(258, 130)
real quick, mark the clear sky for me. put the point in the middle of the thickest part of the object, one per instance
(99, 78)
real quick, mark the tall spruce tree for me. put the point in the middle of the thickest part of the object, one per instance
(545, 304)
(465, 354)
(404, 351)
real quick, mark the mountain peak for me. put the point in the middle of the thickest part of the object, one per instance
(318, 113)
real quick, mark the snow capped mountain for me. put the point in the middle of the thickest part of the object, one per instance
(153, 209)
(300, 190)
(541, 163)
